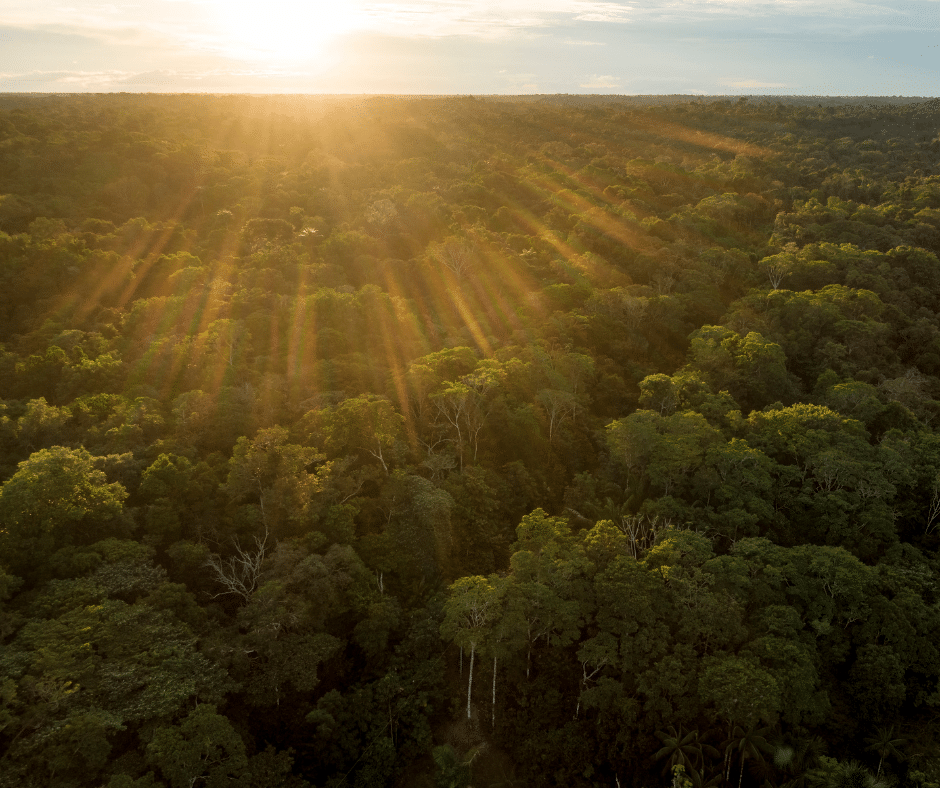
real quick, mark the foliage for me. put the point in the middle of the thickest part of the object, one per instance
(617, 417)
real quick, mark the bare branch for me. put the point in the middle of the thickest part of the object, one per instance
(239, 573)
(933, 513)
(641, 531)
(458, 256)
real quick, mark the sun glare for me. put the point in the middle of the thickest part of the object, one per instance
(283, 30)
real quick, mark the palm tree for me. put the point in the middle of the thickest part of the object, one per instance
(751, 743)
(698, 777)
(884, 744)
(679, 748)
(685, 750)
(795, 757)
(844, 774)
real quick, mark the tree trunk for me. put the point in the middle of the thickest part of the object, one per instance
(379, 457)
(473, 648)
(727, 768)
(493, 720)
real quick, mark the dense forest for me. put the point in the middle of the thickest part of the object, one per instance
(454, 440)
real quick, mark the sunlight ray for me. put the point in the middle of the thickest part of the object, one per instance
(302, 349)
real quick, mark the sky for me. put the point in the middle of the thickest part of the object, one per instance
(697, 47)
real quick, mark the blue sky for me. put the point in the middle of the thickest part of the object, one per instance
(808, 47)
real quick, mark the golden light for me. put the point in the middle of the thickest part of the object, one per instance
(283, 30)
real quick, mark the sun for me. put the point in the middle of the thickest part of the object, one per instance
(283, 30)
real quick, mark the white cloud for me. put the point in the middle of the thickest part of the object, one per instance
(242, 28)
(841, 15)
(206, 23)
(603, 12)
(600, 82)
(518, 83)
(755, 83)
(78, 78)
(160, 80)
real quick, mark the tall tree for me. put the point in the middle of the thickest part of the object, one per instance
(468, 616)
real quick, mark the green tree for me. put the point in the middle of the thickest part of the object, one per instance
(204, 748)
(786, 651)
(284, 628)
(270, 470)
(884, 743)
(539, 614)
(454, 772)
(463, 408)
(468, 616)
(100, 667)
(778, 267)
(750, 743)
(740, 690)
(41, 425)
(832, 773)
(368, 423)
(751, 367)
(665, 449)
(57, 497)
(679, 748)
